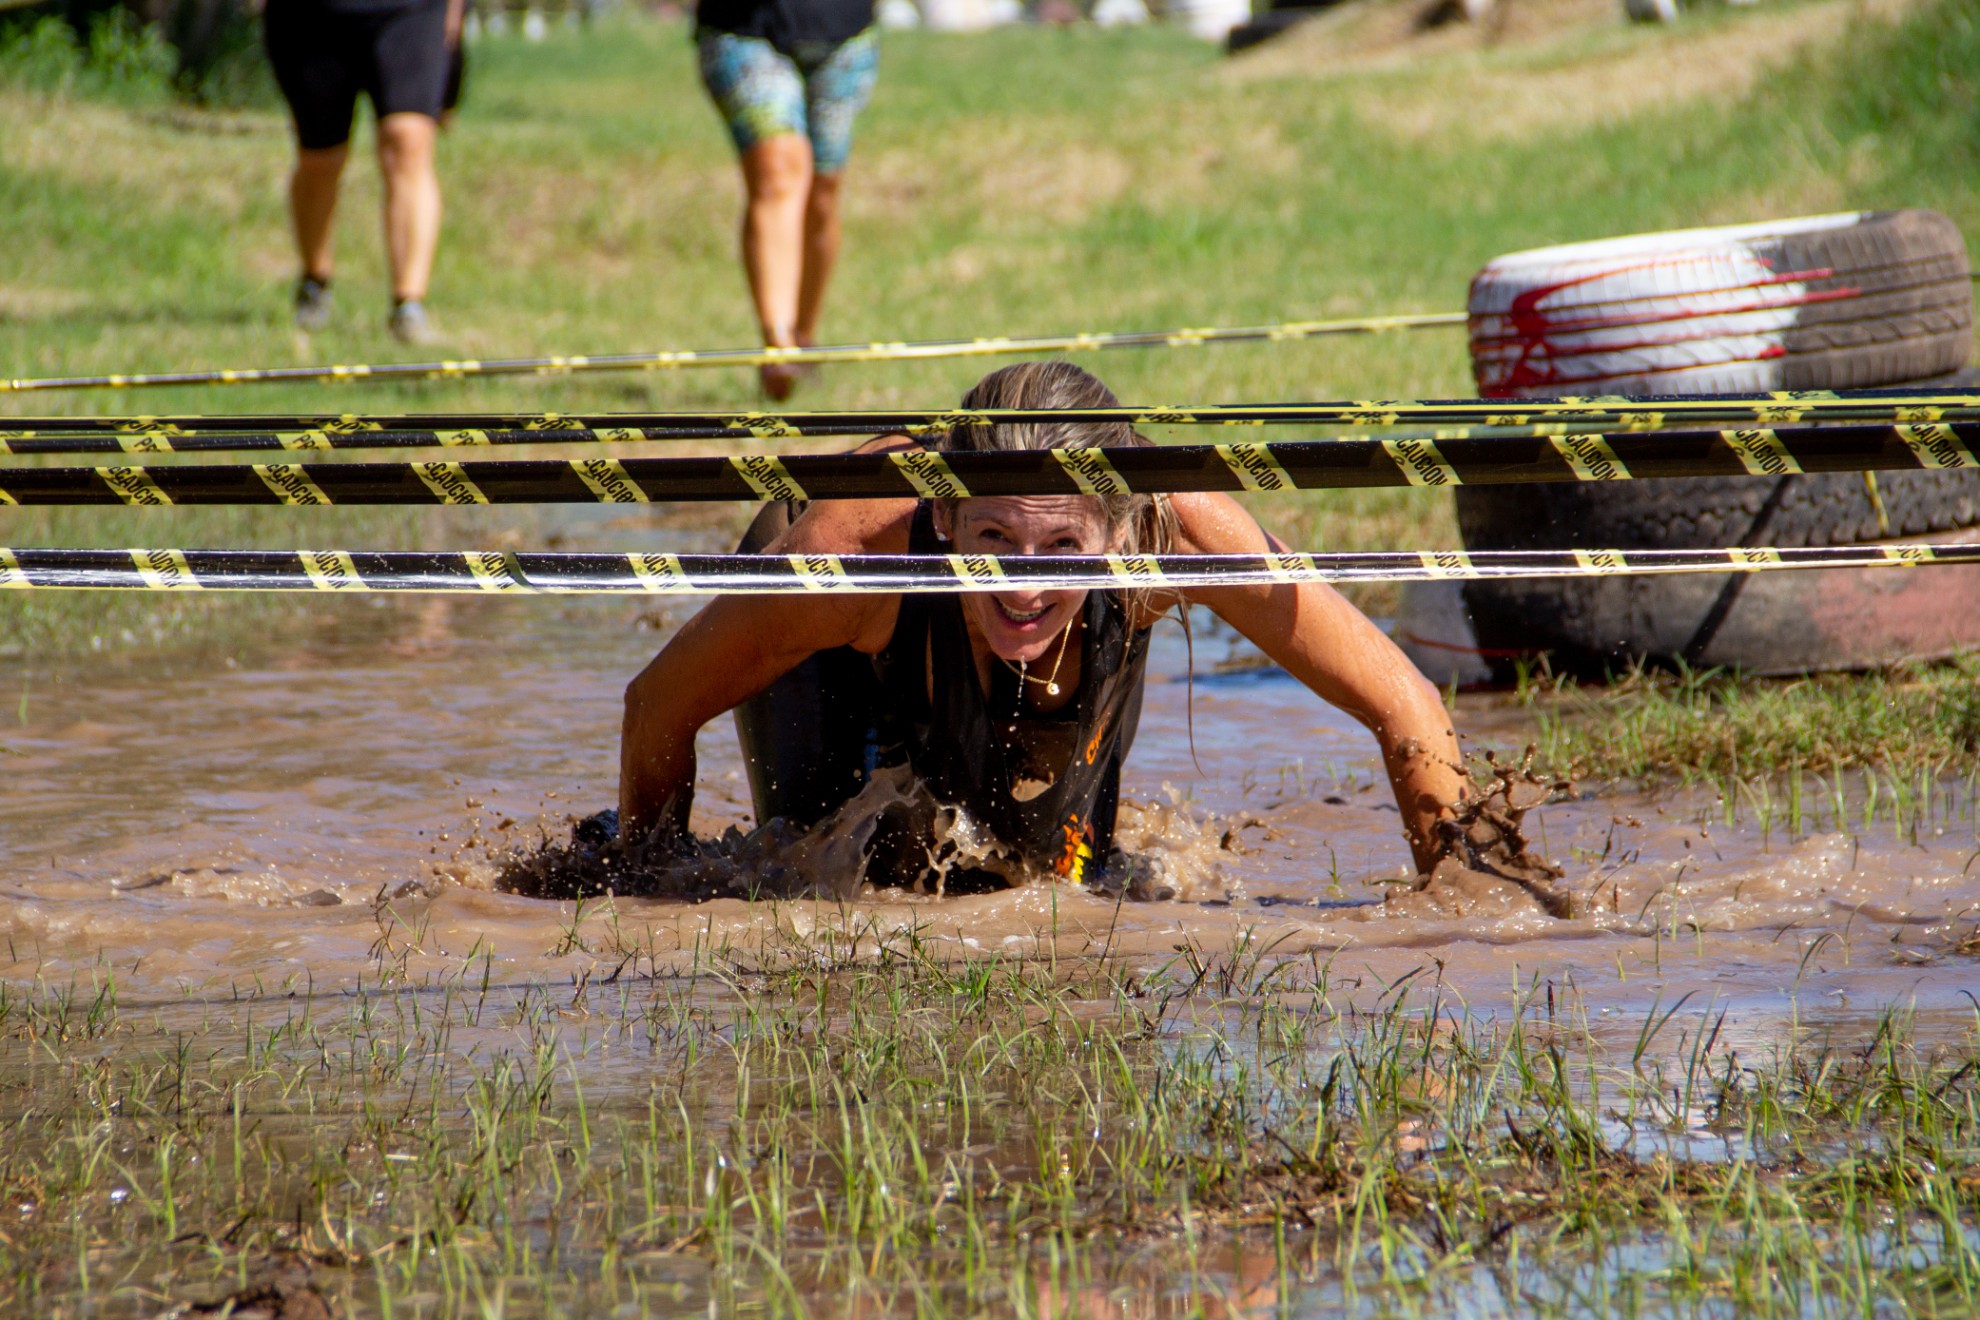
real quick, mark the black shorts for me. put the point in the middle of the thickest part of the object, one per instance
(323, 58)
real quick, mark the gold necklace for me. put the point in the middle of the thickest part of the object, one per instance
(1051, 685)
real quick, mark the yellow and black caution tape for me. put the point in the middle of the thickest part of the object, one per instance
(165, 442)
(565, 365)
(521, 572)
(922, 473)
(319, 441)
(1570, 412)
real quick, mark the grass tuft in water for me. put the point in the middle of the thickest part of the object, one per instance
(855, 1126)
(1714, 724)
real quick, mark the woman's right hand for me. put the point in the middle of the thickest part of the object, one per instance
(656, 764)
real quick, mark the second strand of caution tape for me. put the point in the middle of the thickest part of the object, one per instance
(935, 474)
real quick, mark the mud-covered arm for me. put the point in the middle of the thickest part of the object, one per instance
(1331, 646)
(736, 647)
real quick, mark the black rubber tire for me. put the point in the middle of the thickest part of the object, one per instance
(1909, 329)
(1592, 627)
(1832, 508)
(1272, 23)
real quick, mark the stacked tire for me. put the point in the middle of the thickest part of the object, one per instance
(1855, 301)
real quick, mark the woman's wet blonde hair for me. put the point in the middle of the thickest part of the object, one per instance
(1148, 522)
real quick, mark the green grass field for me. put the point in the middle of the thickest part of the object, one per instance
(1022, 181)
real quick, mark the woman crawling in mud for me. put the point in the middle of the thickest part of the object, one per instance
(1011, 712)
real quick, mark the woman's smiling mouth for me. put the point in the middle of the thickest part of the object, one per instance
(1020, 617)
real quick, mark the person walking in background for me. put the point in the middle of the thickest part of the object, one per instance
(789, 76)
(397, 52)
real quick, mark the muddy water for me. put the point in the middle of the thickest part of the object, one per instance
(315, 808)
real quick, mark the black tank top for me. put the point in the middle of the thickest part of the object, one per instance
(1046, 785)
(789, 25)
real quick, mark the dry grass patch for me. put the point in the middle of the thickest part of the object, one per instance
(1036, 175)
(146, 160)
(600, 223)
(1367, 35)
(1552, 64)
(1018, 179)
(1028, 186)
(30, 304)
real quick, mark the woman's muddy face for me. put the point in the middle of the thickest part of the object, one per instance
(1025, 625)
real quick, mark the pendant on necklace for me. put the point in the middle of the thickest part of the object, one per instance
(1022, 668)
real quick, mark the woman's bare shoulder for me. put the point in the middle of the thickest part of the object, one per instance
(1210, 522)
(854, 527)
(1207, 523)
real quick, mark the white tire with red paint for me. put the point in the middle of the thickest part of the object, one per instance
(1852, 301)
(1847, 301)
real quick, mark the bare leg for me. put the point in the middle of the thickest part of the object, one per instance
(412, 200)
(313, 205)
(777, 175)
(821, 252)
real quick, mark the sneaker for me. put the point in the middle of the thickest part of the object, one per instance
(597, 830)
(410, 324)
(312, 303)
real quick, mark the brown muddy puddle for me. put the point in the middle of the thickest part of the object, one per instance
(289, 817)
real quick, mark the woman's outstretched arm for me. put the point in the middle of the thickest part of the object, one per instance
(1331, 646)
(736, 647)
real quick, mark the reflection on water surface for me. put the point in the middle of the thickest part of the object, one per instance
(241, 819)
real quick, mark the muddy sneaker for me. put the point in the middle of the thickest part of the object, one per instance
(312, 303)
(410, 325)
(596, 830)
